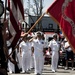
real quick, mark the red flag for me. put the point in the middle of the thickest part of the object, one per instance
(64, 12)
(15, 6)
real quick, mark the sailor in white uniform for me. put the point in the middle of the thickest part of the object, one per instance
(38, 49)
(54, 47)
(30, 56)
(11, 66)
(24, 52)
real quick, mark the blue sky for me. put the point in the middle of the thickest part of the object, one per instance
(47, 3)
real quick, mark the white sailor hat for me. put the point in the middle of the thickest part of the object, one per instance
(38, 33)
(54, 35)
(65, 39)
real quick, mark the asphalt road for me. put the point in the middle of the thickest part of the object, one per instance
(47, 71)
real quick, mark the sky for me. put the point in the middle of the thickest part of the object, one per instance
(47, 3)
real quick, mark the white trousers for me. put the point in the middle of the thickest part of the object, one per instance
(11, 66)
(32, 62)
(25, 61)
(29, 61)
(19, 60)
(54, 61)
(38, 61)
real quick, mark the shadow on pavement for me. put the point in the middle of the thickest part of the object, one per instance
(63, 72)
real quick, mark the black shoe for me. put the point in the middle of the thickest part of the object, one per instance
(32, 68)
(38, 74)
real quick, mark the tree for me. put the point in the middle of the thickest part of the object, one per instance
(36, 6)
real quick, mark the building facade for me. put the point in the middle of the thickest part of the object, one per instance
(48, 25)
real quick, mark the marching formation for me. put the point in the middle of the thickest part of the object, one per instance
(32, 50)
(28, 52)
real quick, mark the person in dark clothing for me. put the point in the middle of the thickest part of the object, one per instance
(2, 55)
(3, 64)
(69, 55)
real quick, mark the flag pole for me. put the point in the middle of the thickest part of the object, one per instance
(36, 23)
(28, 32)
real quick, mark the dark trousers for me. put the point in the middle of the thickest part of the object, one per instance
(3, 62)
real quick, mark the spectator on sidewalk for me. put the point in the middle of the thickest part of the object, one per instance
(69, 54)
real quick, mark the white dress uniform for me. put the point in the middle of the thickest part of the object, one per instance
(18, 58)
(54, 45)
(29, 57)
(11, 66)
(32, 62)
(38, 55)
(25, 55)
